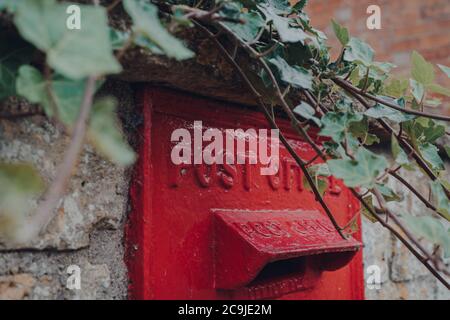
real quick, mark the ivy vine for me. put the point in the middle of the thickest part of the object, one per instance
(351, 100)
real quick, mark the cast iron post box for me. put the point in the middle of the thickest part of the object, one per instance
(224, 231)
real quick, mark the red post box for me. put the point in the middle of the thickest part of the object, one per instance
(224, 231)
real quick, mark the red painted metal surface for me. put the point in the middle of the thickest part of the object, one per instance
(225, 231)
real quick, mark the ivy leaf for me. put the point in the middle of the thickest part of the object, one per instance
(146, 22)
(307, 112)
(417, 90)
(360, 129)
(440, 198)
(13, 53)
(396, 88)
(250, 29)
(431, 154)
(9, 5)
(300, 5)
(359, 51)
(18, 183)
(381, 111)
(30, 84)
(361, 172)
(335, 124)
(341, 33)
(369, 201)
(422, 71)
(431, 229)
(387, 193)
(447, 150)
(105, 135)
(318, 173)
(296, 76)
(118, 38)
(66, 97)
(73, 53)
(144, 42)
(434, 87)
(445, 69)
(286, 32)
(400, 156)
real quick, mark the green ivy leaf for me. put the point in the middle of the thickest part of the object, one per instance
(13, 53)
(118, 38)
(335, 124)
(307, 112)
(380, 111)
(417, 90)
(9, 5)
(318, 173)
(436, 88)
(360, 129)
(144, 42)
(387, 193)
(73, 53)
(422, 71)
(447, 150)
(341, 33)
(146, 22)
(369, 201)
(359, 51)
(296, 76)
(250, 29)
(431, 229)
(445, 69)
(431, 155)
(66, 97)
(105, 135)
(282, 25)
(30, 84)
(400, 156)
(440, 198)
(396, 88)
(18, 183)
(361, 172)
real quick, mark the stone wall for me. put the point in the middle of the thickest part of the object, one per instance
(402, 275)
(88, 230)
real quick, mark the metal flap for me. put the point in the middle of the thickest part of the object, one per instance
(246, 241)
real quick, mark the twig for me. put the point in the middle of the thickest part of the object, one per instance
(427, 203)
(344, 83)
(45, 211)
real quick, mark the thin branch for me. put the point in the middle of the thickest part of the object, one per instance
(348, 85)
(46, 209)
(427, 203)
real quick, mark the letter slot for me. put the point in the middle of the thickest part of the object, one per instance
(265, 254)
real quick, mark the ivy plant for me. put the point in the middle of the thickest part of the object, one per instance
(353, 100)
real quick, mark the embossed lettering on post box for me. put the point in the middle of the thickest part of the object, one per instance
(224, 231)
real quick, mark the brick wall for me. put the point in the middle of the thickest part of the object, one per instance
(406, 25)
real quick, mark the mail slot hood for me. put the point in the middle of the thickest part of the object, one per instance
(274, 246)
